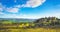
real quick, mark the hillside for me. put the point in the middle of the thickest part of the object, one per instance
(15, 20)
(48, 22)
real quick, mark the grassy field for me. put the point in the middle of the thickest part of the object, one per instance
(40, 25)
(31, 30)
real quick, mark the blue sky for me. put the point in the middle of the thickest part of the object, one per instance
(29, 8)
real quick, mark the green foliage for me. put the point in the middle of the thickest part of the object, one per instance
(50, 21)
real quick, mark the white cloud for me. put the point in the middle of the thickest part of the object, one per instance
(12, 9)
(1, 13)
(15, 9)
(18, 6)
(33, 3)
(1, 7)
(27, 16)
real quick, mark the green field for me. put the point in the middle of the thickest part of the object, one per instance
(39, 25)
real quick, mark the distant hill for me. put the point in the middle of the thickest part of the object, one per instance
(17, 19)
(48, 21)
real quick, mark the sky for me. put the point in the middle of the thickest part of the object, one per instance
(30, 9)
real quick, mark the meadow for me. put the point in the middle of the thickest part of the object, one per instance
(32, 30)
(39, 25)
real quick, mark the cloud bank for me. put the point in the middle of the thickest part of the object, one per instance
(16, 8)
(1, 7)
(13, 9)
(33, 3)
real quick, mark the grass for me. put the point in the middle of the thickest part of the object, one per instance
(32, 30)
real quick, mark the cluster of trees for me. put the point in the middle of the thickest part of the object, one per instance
(50, 21)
